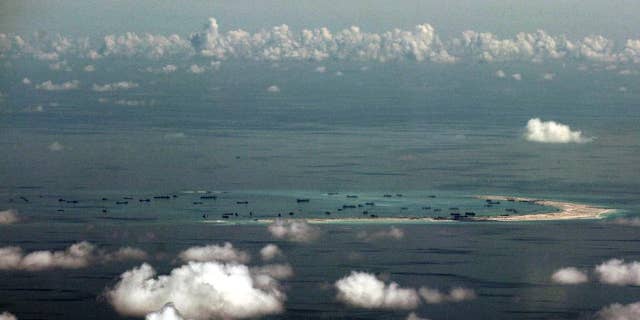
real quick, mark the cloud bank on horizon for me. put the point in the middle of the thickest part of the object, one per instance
(280, 43)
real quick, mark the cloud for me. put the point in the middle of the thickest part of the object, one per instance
(633, 222)
(9, 217)
(125, 253)
(459, 294)
(421, 44)
(226, 253)
(500, 74)
(89, 68)
(122, 85)
(293, 230)
(392, 233)
(321, 69)
(7, 316)
(552, 132)
(548, 76)
(46, 56)
(215, 65)
(77, 256)
(26, 81)
(169, 68)
(168, 312)
(56, 146)
(175, 135)
(364, 290)
(414, 316)
(196, 69)
(50, 86)
(456, 294)
(276, 271)
(273, 89)
(517, 76)
(617, 272)
(132, 103)
(569, 275)
(60, 66)
(626, 72)
(33, 109)
(199, 290)
(618, 311)
(268, 252)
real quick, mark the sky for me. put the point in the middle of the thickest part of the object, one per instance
(616, 19)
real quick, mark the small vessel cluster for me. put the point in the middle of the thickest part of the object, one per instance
(225, 206)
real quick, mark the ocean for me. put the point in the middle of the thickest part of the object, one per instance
(365, 129)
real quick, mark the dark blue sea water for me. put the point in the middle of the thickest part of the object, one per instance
(447, 130)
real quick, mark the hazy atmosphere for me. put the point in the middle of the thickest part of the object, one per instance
(319, 160)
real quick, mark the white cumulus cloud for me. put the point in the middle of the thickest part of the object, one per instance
(569, 275)
(50, 86)
(276, 271)
(552, 132)
(199, 290)
(122, 85)
(618, 311)
(125, 253)
(225, 253)
(7, 316)
(281, 43)
(56, 146)
(76, 256)
(414, 316)
(169, 68)
(168, 312)
(392, 233)
(270, 252)
(89, 68)
(634, 222)
(293, 230)
(273, 89)
(9, 217)
(364, 290)
(196, 69)
(26, 81)
(456, 294)
(617, 272)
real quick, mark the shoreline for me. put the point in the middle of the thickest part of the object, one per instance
(566, 211)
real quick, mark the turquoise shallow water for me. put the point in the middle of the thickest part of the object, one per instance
(189, 206)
